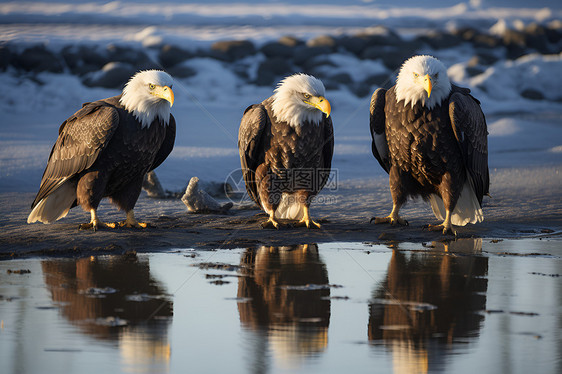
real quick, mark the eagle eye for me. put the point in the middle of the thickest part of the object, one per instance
(416, 75)
(151, 86)
(306, 96)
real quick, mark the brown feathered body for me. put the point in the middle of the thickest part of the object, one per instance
(433, 153)
(280, 161)
(101, 151)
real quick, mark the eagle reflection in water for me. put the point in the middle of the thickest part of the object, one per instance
(429, 303)
(287, 306)
(115, 298)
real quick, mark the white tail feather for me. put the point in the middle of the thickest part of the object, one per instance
(289, 208)
(56, 205)
(467, 210)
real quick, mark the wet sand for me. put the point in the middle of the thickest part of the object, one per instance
(529, 207)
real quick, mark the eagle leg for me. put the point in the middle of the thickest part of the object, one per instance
(131, 222)
(446, 226)
(307, 221)
(393, 218)
(95, 223)
(271, 223)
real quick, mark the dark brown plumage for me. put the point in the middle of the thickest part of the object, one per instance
(102, 150)
(280, 161)
(438, 153)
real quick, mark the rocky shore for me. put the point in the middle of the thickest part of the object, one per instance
(111, 65)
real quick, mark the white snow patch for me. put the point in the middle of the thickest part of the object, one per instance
(500, 27)
(48, 92)
(503, 127)
(507, 79)
(500, 86)
(214, 80)
(357, 69)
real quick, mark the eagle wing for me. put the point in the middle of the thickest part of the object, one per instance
(328, 147)
(251, 142)
(81, 139)
(167, 144)
(327, 152)
(379, 145)
(471, 131)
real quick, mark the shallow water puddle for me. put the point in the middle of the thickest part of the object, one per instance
(329, 308)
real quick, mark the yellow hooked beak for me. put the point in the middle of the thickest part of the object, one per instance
(427, 84)
(164, 92)
(320, 103)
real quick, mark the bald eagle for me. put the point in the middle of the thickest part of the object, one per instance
(105, 149)
(286, 145)
(431, 137)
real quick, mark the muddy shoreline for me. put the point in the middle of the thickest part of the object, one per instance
(347, 221)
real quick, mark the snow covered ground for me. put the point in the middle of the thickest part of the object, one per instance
(524, 132)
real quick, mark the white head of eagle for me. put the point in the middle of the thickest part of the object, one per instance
(148, 95)
(422, 79)
(300, 98)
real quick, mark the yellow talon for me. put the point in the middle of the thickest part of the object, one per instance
(131, 222)
(95, 223)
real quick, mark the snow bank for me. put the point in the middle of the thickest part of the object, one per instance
(509, 79)
(210, 101)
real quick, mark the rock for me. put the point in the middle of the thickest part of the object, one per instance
(131, 56)
(510, 36)
(232, 50)
(380, 35)
(330, 85)
(473, 71)
(92, 56)
(38, 59)
(484, 58)
(361, 89)
(322, 41)
(353, 44)
(392, 57)
(373, 52)
(380, 80)
(515, 51)
(473, 62)
(271, 69)
(303, 54)
(241, 70)
(532, 94)
(439, 39)
(181, 71)
(536, 38)
(81, 60)
(477, 38)
(198, 201)
(318, 66)
(71, 57)
(554, 32)
(6, 57)
(485, 41)
(466, 33)
(341, 78)
(152, 186)
(277, 49)
(112, 75)
(290, 41)
(171, 55)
